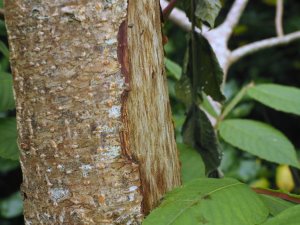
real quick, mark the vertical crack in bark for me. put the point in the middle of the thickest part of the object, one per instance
(123, 59)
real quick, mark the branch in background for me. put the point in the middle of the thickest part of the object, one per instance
(218, 37)
(179, 17)
(233, 17)
(263, 44)
(168, 9)
(219, 42)
(278, 18)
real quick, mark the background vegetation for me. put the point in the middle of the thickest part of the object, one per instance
(280, 65)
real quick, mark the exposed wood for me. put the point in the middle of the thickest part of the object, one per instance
(97, 144)
(149, 114)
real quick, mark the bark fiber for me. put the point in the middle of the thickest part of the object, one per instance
(95, 133)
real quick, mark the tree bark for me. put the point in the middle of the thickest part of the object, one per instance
(95, 132)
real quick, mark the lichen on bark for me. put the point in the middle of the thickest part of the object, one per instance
(89, 155)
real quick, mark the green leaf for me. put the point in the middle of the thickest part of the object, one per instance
(173, 68)
(242, 110)
(8, 139)
(6, 92)
(4, 64)
(208, 10)
(289, 216)
(186, 6)
(11, 206)
(2, 28)
(4, 49)
(208, 77)
(275, 205)
(259, 139)
(205, 11)
(183, 87)
(183, 90)
(209, 73)
(210, 201)
(279, 97)
(7, 165)
(192, 165)
(198, 133)
(208, 68)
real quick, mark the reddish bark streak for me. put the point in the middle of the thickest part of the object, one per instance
(123, 50)
(123, 58)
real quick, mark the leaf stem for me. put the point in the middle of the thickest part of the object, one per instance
(238, 97)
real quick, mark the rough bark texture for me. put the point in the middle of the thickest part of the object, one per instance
(95, 132)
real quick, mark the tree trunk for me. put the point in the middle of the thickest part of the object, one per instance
(95, 132)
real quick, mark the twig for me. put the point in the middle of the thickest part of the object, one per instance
(278, 18)
(179, 17)
(230, 106)
(168, 9)
(277, 194)
(263, 44)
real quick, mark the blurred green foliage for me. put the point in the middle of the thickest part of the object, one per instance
(275, 65)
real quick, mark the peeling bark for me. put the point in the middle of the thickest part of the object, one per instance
(94, 122)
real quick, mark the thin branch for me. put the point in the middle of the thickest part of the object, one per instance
(233, 17)
(277, 194)
(179, 17)
(263, 44)
(168, 9)
(217, 37)
(278, 18)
